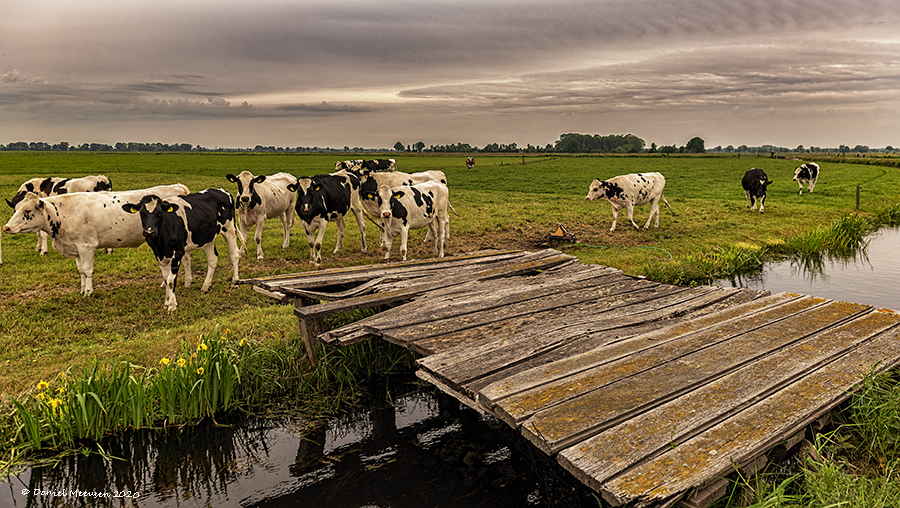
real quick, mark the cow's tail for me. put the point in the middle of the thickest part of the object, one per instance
(667, 204)
(453, 209)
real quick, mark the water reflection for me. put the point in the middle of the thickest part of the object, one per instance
(868, 276)
(427, 450)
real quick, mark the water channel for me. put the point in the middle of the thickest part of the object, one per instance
(424, 449)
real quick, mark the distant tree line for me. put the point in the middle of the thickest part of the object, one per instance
(567, 143)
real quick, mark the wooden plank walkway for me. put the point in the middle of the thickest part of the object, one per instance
(648, 393)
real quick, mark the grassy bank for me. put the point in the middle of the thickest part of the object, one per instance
(47, 328)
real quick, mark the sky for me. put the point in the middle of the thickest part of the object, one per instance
(361, 73)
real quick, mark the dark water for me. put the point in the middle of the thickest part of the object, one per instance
(427, 450)
(871, 276)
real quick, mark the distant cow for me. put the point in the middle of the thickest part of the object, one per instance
(82, 222)
(324, 198)
(175, 226)
(354, 165)
(380, 165)
(260, 198)
(412, 207)
(629, 191)
(470, 163)
(807, 173)
(53, 186)
(755, 183)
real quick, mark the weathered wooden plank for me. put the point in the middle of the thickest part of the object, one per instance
(656, 376)
(526, 264)
(621, 349)
(539, 332)
(487, 308)
(587, 337)
(758, 428)
(653, 432)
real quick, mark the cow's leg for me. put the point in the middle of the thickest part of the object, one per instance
(258, 235)
(340, 235)
(287, 220)
(630, 209)
(229, 233)
(361, 222)
(169, 269)
(747, 197)
(801, 186)
(440, 235)
(42, 243)
(85, 264)
(404, 238)
(211, 262)
(188, 275)
(762, 203)
(654, 212)
(314, 238)
(812, 185)
(615, 218)
(242, 233)
(387, 241)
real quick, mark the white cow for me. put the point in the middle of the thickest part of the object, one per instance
(82, 222)
(807, 173)
(630, 190)
(260, 198)
(411, 207)
(52, 186)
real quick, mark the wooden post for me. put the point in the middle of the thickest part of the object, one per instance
(310, 328)
(857, 197)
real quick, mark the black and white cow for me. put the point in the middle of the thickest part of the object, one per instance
(352, 165)
(412, 207)
(260, 198)
(82, 222)
(470, 163)
(755, 183)
(324, 198)
(371, 182)
(53, 186)
(628, 191)
(807, 173)
(175, 226)
(380, 165)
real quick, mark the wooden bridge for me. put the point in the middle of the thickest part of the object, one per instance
(648, 393)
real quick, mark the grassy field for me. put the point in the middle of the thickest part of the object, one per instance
(46, 326)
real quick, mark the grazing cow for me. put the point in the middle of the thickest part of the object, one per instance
(412, 207)
(470, 163)
(380, 165)
(630, 190)
(260, 198)
(175, 226)
(53, 186)
(354, 165)
(82, 222)
(807, 173)
(324, 198)
(755, 183)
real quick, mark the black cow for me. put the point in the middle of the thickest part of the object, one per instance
(754, 183)
(173, 227)
(380, 165)
(807, 173)
(324, 198)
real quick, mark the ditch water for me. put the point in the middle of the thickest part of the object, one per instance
(425, 450)
(872, 276)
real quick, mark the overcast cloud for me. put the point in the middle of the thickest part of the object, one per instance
(370, 73)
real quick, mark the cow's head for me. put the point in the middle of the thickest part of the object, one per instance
(383, 198)
(152, 210)
(306, 189)
(603, 189)
(28, 217)
(246, 195)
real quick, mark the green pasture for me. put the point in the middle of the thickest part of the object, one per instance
(46, 326)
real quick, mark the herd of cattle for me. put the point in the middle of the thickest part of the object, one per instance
(83, 215)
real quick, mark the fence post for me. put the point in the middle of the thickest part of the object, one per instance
(857, 197)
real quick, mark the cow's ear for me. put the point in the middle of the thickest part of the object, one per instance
(231, 178)
(259, 179)
(128, 207)
(317, 187)
(8, 202)
(398, 194)
(292, 187)
(171, 208)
